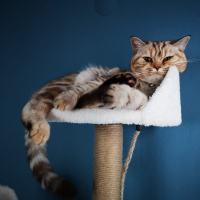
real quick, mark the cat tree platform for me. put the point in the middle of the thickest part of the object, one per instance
(163, 109)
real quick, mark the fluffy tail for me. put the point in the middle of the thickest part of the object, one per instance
(42, 170)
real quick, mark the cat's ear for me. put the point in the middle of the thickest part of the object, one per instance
(137, 44)
(181, 43)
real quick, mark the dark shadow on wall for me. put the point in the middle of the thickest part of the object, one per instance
(148, 164)
(106, 7)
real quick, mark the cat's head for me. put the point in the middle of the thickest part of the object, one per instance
(152, 60)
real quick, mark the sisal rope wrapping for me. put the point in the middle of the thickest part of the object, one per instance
(107, 162)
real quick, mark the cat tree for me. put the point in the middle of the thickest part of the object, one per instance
(163, 109)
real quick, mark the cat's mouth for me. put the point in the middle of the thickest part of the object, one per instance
(159, 73)
(155, 78)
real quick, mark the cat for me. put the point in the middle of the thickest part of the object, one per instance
(96, 87)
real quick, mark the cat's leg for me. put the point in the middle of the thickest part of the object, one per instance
(35, 111)
(123, 94)
(33, 118)
(62, 93)
(116, 92)
(122, 78)
(86, 81)
(105, 95)
(68, 99)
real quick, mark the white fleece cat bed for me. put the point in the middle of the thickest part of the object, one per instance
(163, 109)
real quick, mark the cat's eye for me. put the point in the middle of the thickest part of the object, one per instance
(148, 59)
(167, 58)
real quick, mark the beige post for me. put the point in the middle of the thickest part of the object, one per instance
(107, 161)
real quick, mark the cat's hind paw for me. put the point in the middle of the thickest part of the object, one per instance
(66, 100)
(117, 96)
(124, 78)
(40, 132)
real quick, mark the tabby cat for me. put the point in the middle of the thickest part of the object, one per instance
(96, 87)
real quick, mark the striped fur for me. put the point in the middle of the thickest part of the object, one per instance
(58, 93)
(157, 52)
(149, 65)
(41, 168)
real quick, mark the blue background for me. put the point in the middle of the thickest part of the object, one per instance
(43, 40)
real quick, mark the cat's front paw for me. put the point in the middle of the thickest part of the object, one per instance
(117, 96)
(66, 100)
(40, 132)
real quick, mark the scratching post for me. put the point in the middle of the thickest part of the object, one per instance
(163, 109)
(107, 161)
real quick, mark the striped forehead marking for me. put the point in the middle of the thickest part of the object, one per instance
(158, 47)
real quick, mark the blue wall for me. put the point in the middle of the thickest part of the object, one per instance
(43, 40)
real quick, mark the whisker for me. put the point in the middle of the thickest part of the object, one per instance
(188, 61)
(193, 60)
(180, 62)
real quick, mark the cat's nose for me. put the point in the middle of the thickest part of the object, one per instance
(157, 66)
